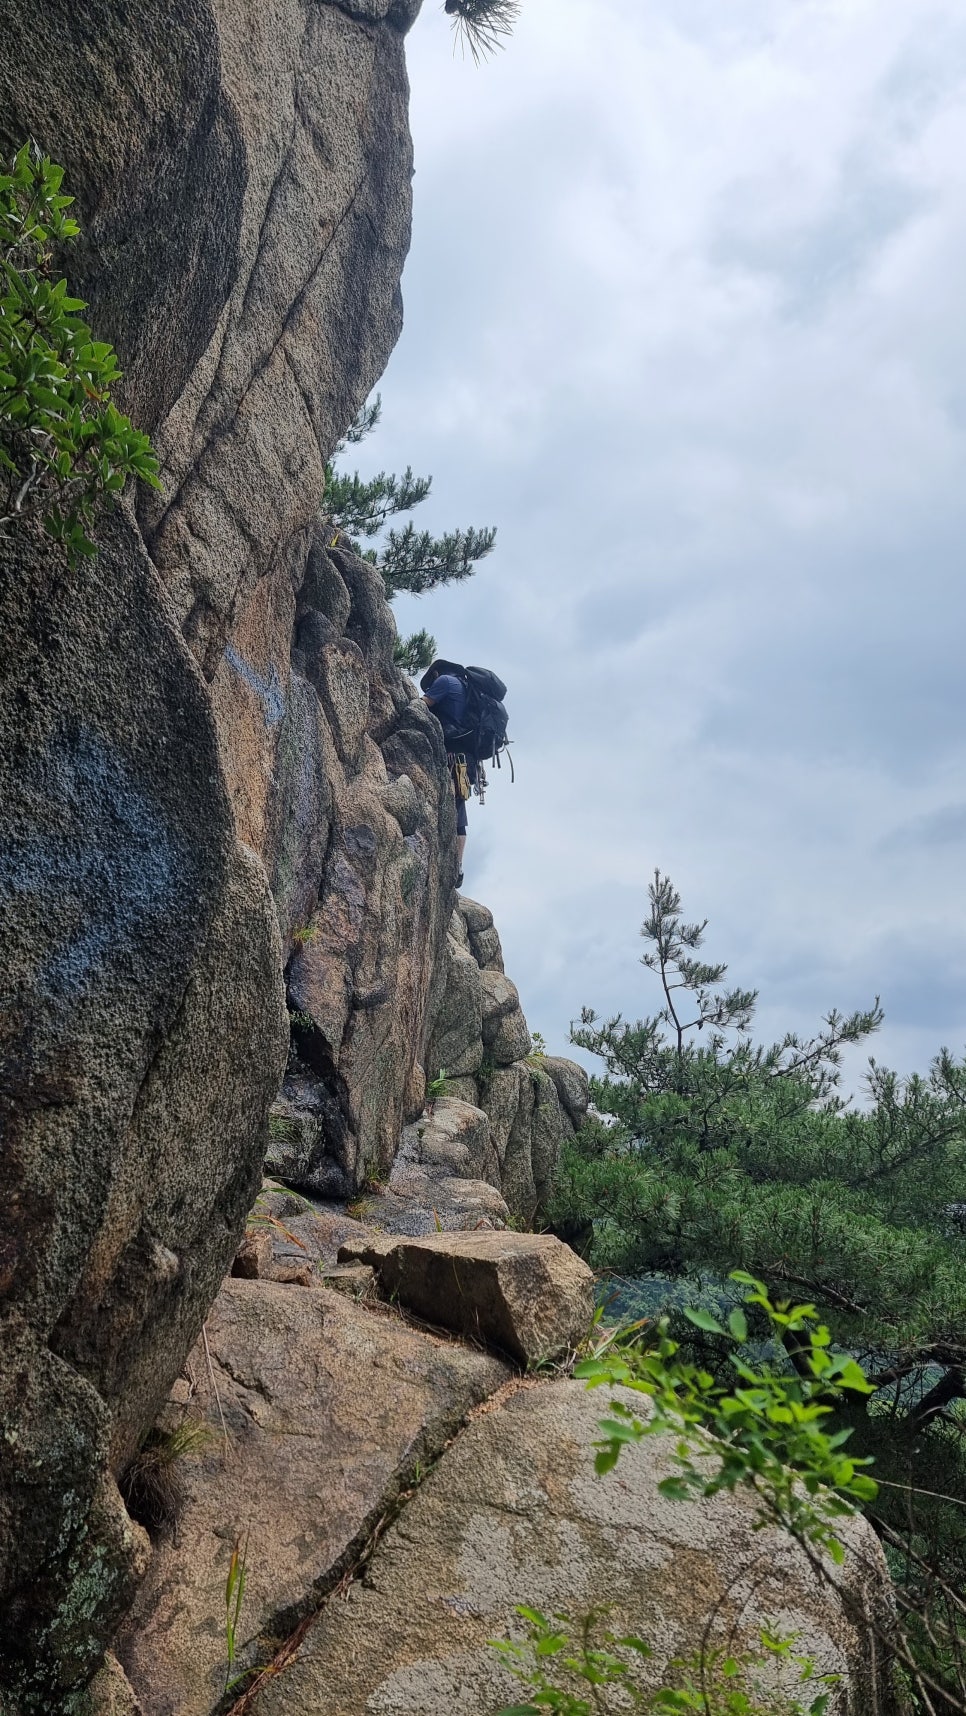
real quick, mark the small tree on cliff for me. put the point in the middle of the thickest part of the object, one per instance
(410, 560)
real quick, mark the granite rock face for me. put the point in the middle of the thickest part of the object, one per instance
(244, 182)
(328, 1408)
(191, 729)
(142, 1038)
(513, 1514)
(532, 1102)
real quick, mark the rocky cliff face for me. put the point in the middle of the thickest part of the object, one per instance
(218, 792)
(243, 178)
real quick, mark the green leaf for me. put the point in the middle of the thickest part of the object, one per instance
(738, 1324)
(704, 1320)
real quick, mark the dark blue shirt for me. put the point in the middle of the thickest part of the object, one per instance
(447, 699)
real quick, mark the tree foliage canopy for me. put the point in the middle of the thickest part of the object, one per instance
(710, 1151)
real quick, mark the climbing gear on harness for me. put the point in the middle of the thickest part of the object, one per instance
(461, 775)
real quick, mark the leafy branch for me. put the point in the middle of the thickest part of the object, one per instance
(768, 1431)
(65, 450)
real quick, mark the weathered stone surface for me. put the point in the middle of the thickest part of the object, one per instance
(456, 1046)
(320, 101)
(111, 1693)
(303, 1121)
(161, 238)
(487, 950)
(464, 1090)
(476, 917)
(363, 979)
(500, 997)
(301, 1229)
(459, 931)
(548, 1126)
(401, 800)
(253, 1259)
(513, 1514)
(329, 1407)
(509, 1102)
(440, 1180)
(142, 1040)
(358, 1280)
(453, 1135)
(419, 1203)
(571, 1085)
(510, 1040)
(526, 1294)
(370, 1248)
(505, 1032)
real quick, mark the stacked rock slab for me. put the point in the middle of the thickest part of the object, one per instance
(533, 1102)
(524, 1294)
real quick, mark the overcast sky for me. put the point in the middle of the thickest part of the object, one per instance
(685, 320)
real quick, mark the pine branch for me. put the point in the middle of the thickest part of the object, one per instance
(418, 561)
(361, 506)
(481, 25)
(414, 653)
(364, 422)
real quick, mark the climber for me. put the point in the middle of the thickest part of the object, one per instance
(446, 695)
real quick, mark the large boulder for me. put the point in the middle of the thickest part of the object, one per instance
(527, 1294)
(513, 1514)
(328, 1410)
(142, 1041)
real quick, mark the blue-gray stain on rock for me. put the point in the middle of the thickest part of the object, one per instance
(268, 690)
(103, 872)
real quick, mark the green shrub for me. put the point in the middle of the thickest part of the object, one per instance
(592, 1674)
(768, 1430)
(65, 451)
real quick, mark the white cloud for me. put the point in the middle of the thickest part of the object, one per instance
(683, 318)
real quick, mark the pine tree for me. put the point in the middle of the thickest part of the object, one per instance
(409, 560)
(711, 1152)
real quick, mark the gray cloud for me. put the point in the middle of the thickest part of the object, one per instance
(683, 318)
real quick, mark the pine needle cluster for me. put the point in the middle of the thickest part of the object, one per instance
(410, 560)
(482, 25)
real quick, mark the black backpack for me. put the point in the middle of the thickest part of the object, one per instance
(484, 734)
